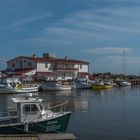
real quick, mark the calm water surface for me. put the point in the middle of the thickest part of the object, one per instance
(97, 115)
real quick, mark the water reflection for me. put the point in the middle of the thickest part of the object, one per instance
(77, 100)
(3, 102)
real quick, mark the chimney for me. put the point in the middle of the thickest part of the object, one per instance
(34, 55)
(49, 55)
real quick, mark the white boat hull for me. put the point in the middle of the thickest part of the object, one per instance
(15, 90)
(125, 84)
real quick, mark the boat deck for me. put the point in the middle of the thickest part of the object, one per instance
(39, 137)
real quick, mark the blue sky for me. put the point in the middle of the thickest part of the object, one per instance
(97, 31)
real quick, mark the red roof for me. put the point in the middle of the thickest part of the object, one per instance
(83, 73)
(40, 59)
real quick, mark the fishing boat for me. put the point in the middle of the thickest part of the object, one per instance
(82, 83)
(102, 85)
(14, 85)
(31, 118)
(55, 85)
(125, 83)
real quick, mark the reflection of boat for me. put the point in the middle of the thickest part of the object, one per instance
(31, 117)
(102, 85)
(14, 85)
(54, 85)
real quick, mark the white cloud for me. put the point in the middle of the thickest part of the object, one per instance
(90, 25)
(120, 19)
(29, 20)
(108, 50)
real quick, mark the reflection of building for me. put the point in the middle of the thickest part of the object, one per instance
(49, 67)
(81, 105)
(5, 103)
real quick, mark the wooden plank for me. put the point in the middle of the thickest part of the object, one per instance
(39, 137)
(57, 137)
(19, 137)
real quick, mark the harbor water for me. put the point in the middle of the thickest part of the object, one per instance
(96, 115)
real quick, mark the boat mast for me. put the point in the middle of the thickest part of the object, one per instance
(124, 62)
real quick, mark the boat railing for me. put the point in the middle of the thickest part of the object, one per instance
(8, 116)
(11, 109)
(4, 114)
(61, 108)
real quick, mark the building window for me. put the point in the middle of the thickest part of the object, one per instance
(13, 65)
(21, 64)
(80, 66)
(29, 64)
(46, 65)
(66, 65)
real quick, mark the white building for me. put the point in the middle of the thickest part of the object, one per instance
(49, 67)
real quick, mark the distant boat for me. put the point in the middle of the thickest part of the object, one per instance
(54, 85)
(102, 85)
(14, 85)
(82, 83)
(31, 118)
(124, 82)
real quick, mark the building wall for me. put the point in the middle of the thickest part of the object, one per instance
(83, 68)
(64, 75)
(76, 66)
(65, 66)
(44, 67)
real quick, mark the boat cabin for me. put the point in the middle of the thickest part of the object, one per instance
(29, 109)
(10, 82)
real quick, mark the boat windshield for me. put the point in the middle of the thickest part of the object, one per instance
(30, 109)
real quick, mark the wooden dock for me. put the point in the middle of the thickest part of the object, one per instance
(38, 137)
